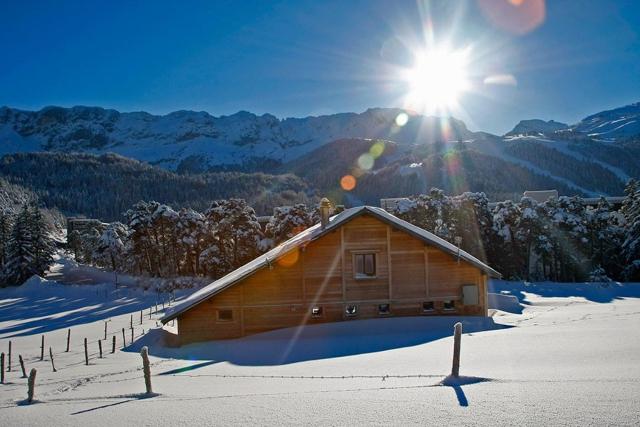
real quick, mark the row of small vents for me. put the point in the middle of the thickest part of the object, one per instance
(351, 310)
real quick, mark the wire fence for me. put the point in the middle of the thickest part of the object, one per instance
(63, 358)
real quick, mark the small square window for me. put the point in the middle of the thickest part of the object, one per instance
(449, 305)
(225, 315)
(365, 265)
(316, 312)
(351, 310)
(427, 306)
(384, 309)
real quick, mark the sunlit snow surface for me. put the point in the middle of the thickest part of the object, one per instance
(564, 354)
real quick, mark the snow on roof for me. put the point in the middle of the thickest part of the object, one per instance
(313, 233)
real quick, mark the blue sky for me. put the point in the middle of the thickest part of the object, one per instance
(299, 58)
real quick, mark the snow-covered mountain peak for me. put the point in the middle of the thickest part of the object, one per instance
(610, 125)
(225, 141)
(536, 126)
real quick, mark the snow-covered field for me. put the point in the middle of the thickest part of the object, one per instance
(566, 355)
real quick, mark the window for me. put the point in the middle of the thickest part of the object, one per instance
(449, 305)
(384, 309)
(316, 312)
(427, 306)
(225, 315)
(351, 310)
(365, 265)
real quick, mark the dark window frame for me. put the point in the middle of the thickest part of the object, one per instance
(430, 309)
(222, 318)
(384, 309)
(449, 305)
(365, 265)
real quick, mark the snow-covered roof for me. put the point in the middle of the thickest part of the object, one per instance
(313, 233)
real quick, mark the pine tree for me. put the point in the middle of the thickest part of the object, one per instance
(237, 229)
(19, 265)
(287, 221)
(528, 228)
(110, 247)
(43, 246)
(5, 233)
(193, 238)
(631, 245)
(74, 243)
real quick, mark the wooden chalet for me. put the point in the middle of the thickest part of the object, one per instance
(361, 263)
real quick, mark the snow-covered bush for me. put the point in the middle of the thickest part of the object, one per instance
(599, 275)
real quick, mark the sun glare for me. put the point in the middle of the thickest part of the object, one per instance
(436, 80)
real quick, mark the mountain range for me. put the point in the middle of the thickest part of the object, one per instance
(390, 152)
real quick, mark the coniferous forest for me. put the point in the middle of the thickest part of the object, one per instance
(561, 239)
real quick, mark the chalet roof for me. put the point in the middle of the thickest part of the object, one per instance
(313, 233)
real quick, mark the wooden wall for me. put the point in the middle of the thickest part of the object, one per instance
(408, 273)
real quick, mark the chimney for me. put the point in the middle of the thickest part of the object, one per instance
(325, 208)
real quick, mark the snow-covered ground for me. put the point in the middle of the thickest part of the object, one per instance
(564, 354)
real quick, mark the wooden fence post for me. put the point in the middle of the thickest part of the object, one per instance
(53, 366)
(68, 339)
(113, 345)
(131, 335)
(149, 313)
(2, 368)
(105, 330)
(131, 322)
(457, 336)
(141, 317)
(9, 367)
(124, 340)
(42, 349)
(144, 352)
(24, 372)
(86, 353)
(32, 384)
(100, 348)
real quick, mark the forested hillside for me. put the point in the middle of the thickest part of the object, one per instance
(188, 159)
(13, 197)
(106, 186)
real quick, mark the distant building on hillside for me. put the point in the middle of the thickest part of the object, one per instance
(541, 196)
(84, 224)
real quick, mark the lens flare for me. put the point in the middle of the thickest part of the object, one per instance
(501, 79)
(289, 259)
(402, 119)
(377, 149)
(348, 182)
(514, 16)
(365, 161)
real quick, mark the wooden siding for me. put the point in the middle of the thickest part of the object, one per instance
(368, 235)
(408, 273)
(323, 269)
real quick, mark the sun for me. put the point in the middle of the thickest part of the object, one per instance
(437, 79)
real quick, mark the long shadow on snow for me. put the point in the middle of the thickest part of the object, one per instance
(596, 292)
(43, 309)
(315, 342)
